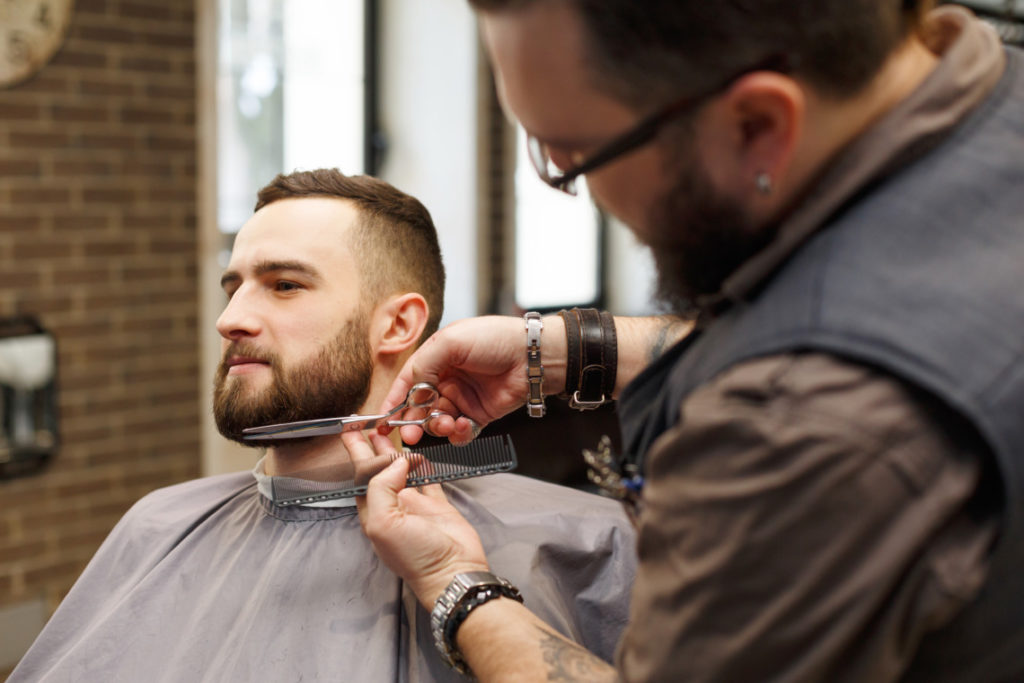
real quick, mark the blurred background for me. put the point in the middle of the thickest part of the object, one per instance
(134, 135)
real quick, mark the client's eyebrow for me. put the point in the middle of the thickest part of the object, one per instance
(263, 267)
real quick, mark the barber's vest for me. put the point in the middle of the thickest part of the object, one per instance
(921, 275)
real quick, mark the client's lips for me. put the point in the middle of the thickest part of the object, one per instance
(242, 360)
(240, 364)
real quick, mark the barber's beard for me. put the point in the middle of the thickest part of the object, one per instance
(333, 383)
(698, 237)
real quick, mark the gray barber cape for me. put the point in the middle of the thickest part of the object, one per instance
(209, 581)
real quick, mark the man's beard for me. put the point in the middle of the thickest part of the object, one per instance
(332, 384)
(698, 237)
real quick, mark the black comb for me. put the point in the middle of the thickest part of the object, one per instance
(430, 465)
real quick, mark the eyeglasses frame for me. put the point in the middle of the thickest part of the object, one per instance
(643, 131)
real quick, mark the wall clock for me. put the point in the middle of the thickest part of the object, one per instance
(30, 33)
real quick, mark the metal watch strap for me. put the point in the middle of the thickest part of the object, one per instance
(465, 593)
(534, 370)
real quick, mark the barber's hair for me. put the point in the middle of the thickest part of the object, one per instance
(647, 52)
(395, 242)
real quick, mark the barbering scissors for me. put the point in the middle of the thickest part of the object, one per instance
(421, 400)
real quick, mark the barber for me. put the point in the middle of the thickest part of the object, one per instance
(827, 470)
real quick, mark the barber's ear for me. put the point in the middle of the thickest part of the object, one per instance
(398, 323)
(760, 118)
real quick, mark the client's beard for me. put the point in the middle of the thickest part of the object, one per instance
(698, 238)
(333, 383)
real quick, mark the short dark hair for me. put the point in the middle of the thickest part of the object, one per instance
(643, 50)
(395, 241)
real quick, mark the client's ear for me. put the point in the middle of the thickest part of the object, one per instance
(398, 323)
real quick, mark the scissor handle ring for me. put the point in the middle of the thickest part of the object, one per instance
(431, 401)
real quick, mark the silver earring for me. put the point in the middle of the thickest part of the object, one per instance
(763, 181)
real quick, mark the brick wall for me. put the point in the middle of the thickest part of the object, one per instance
(98, 239)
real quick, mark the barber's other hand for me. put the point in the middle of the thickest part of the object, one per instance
(417, 533)
(479, 368)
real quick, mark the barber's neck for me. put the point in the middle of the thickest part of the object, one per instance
(831, 124)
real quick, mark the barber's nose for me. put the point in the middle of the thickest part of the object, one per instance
(238, 319)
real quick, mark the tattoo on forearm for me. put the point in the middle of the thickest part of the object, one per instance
(667, 335)
(567, 661)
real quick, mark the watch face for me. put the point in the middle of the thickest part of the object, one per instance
(30, 33)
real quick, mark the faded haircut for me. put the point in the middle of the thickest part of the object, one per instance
(395, 242)
(648, 52)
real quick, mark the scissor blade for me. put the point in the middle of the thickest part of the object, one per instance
(308, 428)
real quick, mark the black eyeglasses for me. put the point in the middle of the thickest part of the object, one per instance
(639, 135)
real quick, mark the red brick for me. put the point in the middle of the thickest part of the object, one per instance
(170, 92)
(137, 221)
(47, 139)
(146, 64)
(79, 59)
(82, 329)
(144, 11)
(19, 167)
(116, 247)
(167, 143)
(148, 115)
(106, 88)
(28, 549)
(71, 114)
(88, 168)
(184, 40)
(107, 34)
(90, 485)
(82, 542)
(19, 222)
(111, 141)
(40, 195)
(41, 250)
(62, 571)
(173, 195)
(47, 82)
(92, 6)
(11, 277)
(35, 303)
(160, 169)
(110, 195)
(87, 276)
(173, 245)
(11, 111)
(82, 223)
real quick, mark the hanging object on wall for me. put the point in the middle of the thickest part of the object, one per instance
(31, 31)
(28, 396)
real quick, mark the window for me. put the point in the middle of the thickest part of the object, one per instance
(290, 95)
(558, 242)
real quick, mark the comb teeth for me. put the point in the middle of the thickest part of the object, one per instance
(446, 462)
(430, 465)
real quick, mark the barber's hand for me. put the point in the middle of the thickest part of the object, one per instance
(479, 368)
(417, 533)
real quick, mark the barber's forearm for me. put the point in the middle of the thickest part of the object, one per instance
(643, 340)
(503, 641)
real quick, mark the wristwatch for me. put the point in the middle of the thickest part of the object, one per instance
(466, 592)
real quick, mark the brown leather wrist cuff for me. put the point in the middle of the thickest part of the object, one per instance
(592, 358)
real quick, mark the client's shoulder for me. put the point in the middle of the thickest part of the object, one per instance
(191, 497)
